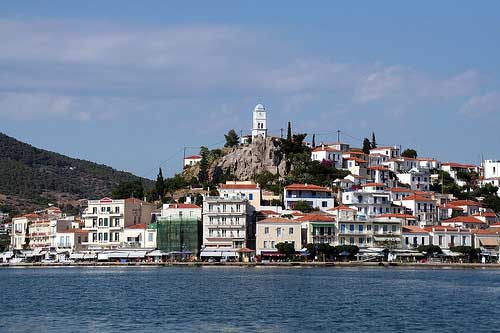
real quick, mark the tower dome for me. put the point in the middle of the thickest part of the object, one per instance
(259, 107)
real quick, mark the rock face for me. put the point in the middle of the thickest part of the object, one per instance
(245, 162)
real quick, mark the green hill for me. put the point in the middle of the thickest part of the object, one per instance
(30, 176)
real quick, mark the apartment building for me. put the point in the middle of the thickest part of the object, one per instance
(314, 195)
(274, 230)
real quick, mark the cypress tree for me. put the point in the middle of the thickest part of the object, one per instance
(160, 185)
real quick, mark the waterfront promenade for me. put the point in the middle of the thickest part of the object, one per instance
(260, 264)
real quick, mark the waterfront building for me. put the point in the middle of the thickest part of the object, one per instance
(488, 241)
(140, 235)
(20, 237)
(314, 195)
(274, 230)
(224, 226)
(106, 220)
(246, 190)
(413, 237)
(179, 229)
(318, 229)
(372, 200)
(446, 237)
(71, 240)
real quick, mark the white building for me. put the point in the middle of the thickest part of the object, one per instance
(428, 163)
(369, 202)
(191, 160)
(414, 236)
(423, 208)
(314, 195)
(446, 237)
(418, 180)
(259, 122)
(491, 168)
(325, 153)
(106, 220)
(224, 227)
(246, 190)
(140, 236)
(180, 210)
(390, 151)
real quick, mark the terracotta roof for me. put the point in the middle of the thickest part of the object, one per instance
(183, 206)
(396, 215)
(445, 228)
(486, 214)
(315, 218)
(379, 167)
(306, 187)
(400, 189)
(267, 212)
(194, 157)
(74, 231)
(415, 230)
(341, 207)
(416, 198)
(458, 165)
(372, 184)
(465, 203)
(138, 226)
(277, 220)
(489, 231)
(238, 186)
(355, 159)
(464, 219)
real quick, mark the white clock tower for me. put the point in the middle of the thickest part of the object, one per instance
(259, 121)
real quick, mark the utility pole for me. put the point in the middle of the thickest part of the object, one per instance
(183, 158)
(281, 133)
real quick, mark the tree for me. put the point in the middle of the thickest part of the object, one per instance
(430, 250)
(232, 139)
(289, 132)
(203, 173)
(286, 249)
(303, 207)
(366, 146)
(347, 251)
(314, 141)
(410, 153)
(160, 185)
(132, 189)
(373, 143)
(468, 251)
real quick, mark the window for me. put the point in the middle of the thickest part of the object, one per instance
(324, 204)
(375, 228)
(272, 245)
(117, 237)
(279, 232)
(100, 222)
(150, 237)
(464, 240)
(94, 223)
(290, 231)
(266, 244)
(406, 241)
(423, 241)
(351, 227)
(369, 227)
(440, 240)
(394, 228)
(105, 221)
(266, 230)
(224, 232)
(360, 227)
(342, 227)
(351, 240)
(105, 236)
(250, 196)
(100, 236)
(360, 240)
(117, 209)
(384, 227)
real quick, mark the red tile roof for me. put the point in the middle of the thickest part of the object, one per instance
(306, 187)
(277, 220)
(372, 184)
(315, 218)
(400, 189)
(138, 226)
(458, 165)
(464, 219)
(415, 230)
(444, 228)
(341, 207)
(326, 149)
(486, 214)
(465, 203)
(355, 159)
(416, 198)
(379, 167)
(194, 157)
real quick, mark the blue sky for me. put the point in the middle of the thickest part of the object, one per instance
(129, 84)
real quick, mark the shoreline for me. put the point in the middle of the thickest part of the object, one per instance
(276, 264)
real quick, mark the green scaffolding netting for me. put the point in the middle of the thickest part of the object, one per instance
(179, 235)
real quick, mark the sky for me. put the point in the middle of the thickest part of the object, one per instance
(130, 84)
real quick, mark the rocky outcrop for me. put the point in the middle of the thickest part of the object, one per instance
(245, 162)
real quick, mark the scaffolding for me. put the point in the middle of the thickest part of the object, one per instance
(179, 235)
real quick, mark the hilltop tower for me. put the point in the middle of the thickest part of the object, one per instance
(259, 122)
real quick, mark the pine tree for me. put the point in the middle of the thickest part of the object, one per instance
(160, 185)
(374, 143)
(366, 146)
(232, 139)
(314, 141)
(203, 173)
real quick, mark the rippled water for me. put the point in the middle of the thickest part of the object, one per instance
(248, 299)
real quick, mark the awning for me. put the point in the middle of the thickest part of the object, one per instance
(156, 253)
(7, 255)
(386, 239)
(89, 256)
(271, 254)
(229, 254)
(76, 256)
(211, 254)
(489, 241)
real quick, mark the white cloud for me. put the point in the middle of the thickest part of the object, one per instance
(81, 70)
(482, 105)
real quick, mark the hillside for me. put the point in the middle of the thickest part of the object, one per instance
(30, 176)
